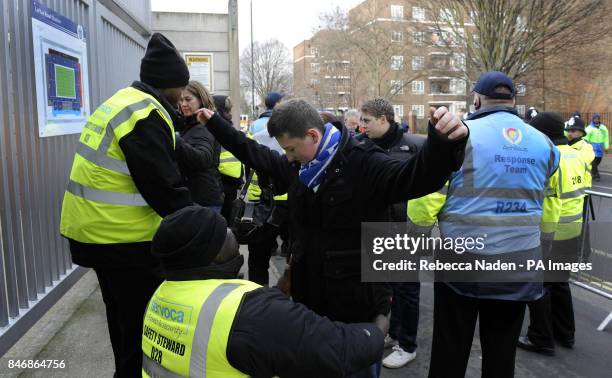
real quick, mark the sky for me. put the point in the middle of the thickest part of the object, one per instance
(290, 21)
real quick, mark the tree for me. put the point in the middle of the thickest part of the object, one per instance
(271, 68)
(520, 37)
(369, 52)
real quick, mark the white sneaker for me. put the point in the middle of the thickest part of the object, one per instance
(390, 342)
(398, 358)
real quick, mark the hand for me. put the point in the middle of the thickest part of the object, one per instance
(447, 124)
(284, 283)
(382, 322)
(204, 115)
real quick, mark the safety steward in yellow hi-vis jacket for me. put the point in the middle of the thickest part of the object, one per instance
(261, 190)
(124, 179)
(552, 316)
(203, 322)
(575, 134)
(231, 169)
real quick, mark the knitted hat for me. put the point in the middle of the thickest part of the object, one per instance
(551, 125)
(162, 66)
(189, 238)
(272, 98)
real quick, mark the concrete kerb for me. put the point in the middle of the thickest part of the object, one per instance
(45, 330)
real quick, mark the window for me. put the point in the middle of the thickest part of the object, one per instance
(521, 90)
(418, 38)
(446, 15)
(397, 12)
(397, 36)
(397, 62)
(397, 87)
(458, 86)
(314, 67)
(473, 16)
(419, 111)
(418, 62)
(314, 51)
(418, 13)
(398, 110)
(418, 87)
(314, 82)
(521, 110)
(458, 62)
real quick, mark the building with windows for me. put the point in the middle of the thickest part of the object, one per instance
(418, 71)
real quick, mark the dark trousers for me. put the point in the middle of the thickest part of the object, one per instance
(405, 314)
(230, 191)
(595, 167)
(552, 316)
(454, 323)
(126, 293)
(260, 253)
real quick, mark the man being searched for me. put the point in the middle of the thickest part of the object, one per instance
(498, 195)
(123, 181)
(334, 183)
(378, 119)
(203, 322)
(552, 316)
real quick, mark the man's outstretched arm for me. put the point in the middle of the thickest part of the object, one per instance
(259, 157)
(425, 172)
(273, 336)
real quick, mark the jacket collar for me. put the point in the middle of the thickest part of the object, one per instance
(490, 110)
(174, 114)
(267, 113)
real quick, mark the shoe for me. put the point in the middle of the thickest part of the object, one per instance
(398, 358)
(569, 344)
(390, 342)
(525, 343)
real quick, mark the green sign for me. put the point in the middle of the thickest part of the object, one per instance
(65, 84)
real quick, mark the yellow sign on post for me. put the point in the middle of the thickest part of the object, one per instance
(200, 68)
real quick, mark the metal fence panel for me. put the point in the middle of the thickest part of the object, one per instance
(34, 259)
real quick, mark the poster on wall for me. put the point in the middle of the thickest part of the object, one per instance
(200, 68)
(62, 76)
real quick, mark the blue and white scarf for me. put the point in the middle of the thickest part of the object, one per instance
(313, 172)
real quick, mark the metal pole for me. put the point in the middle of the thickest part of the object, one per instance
(252, 65)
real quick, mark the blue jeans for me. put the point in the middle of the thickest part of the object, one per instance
(405, 314)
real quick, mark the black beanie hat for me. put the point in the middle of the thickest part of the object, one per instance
(550, 124)
(188, 238)
(162, 66)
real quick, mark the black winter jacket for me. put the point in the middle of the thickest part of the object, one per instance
(399, 145)
(273, 336)
(198, 157)
(150, 157)
(325, 227)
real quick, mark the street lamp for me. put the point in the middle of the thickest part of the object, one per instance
(252, 65)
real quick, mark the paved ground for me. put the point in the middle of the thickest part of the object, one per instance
(75, 331)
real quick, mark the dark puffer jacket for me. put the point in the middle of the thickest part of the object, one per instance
(198, 158)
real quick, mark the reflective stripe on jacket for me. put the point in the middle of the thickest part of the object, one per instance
(187, 326)
(102, 204)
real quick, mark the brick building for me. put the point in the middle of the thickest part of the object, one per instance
(421, 72)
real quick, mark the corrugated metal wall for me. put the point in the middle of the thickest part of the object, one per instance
(33, 170)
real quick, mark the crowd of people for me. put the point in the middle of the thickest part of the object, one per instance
(163, 189)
